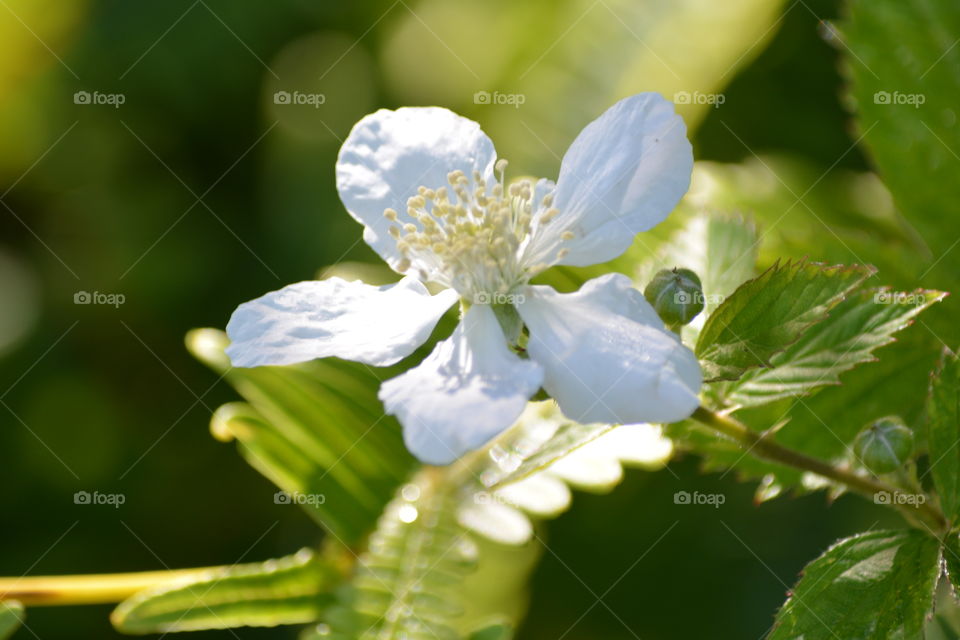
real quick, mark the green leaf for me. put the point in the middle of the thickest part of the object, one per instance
(943, 435)
(872, 586)
(291, 590)
(854, 329)
(315, 428)
(767, 314)
(11, 617)
(406, 584)
(905, 98)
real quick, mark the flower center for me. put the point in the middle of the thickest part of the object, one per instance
(470, 236)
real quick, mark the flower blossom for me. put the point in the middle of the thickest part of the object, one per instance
(435, 204)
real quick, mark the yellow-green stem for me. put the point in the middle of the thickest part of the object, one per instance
(86, 589)
(761, 446)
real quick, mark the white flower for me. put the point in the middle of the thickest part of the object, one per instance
(432, 196)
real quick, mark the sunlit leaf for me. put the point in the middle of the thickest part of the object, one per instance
(406, 583)
(872, 586)
(315, 428)
(290, 590)
(855, 328)
(767, 314)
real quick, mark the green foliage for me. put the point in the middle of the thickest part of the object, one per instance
(905, 96)
(290, 590)
(872, 586)
(315, 429)
(943, 411)
(405, 585)
(855, 328)
(11, 617)
(766, 314)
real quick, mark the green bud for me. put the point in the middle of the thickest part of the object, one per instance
(885, 445)
(676, 294)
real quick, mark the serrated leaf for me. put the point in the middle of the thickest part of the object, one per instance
(767, 314)
(854, 329)
(872, 586)
(291, 590)
(405, 585)
(943, 433)
(316, 425)
(11, 617)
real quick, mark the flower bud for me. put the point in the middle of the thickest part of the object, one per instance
(885, 445)
(676, 294)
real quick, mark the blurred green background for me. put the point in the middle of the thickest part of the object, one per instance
(199, 192)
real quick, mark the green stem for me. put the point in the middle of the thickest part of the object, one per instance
(86, 589)
(761, 446)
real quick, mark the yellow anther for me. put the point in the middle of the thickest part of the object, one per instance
(568, 235)
(549, 215)
(390, 214)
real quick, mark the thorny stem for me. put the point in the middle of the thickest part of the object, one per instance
(761, 446)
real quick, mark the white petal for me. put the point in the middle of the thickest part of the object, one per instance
(607, 356)
(333, 317)
(467, 391)
(496, 521)
(389, 154)
(624, 174)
